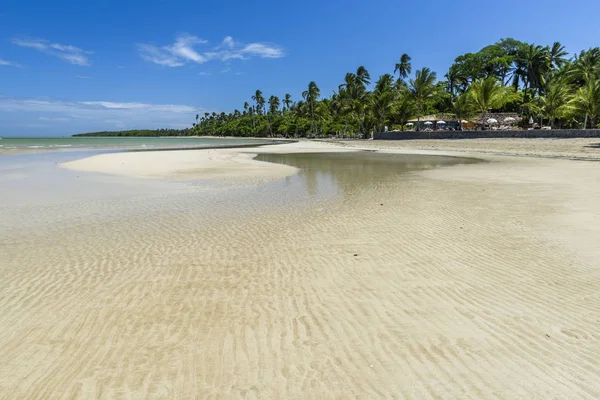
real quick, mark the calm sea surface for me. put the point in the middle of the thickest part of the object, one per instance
(26, 144)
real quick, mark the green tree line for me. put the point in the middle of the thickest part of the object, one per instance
(537, 81)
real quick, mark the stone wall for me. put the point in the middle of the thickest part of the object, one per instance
(556, 133)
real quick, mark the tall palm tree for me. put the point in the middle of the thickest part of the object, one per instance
(403, 67)
(536, 61)
(558, 55)
(362, 77)
(557, 100)
(404, 108)
(251, 112)
(422, 87)
(311, 95)
(383, 99)
(274, 104)
(259, 100)
(287, 101)
(488, 94)
(273, 110)
(586, 66)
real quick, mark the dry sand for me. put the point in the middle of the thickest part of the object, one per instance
(472, 281)
(580, 148)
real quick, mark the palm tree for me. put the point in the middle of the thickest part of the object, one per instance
(383, 99)
(362, 77)
(311, 96)
(463, 107)
(458, 82)
(404, 108)
(287, 101)
(260, 102)
(557, 100)
(535, 64)
(422, 88)
(488, 94)
(586, 66)
(558, 55)
(274, 104)
(273, 109)
(403, 67)
(251, 112)
(587, 100)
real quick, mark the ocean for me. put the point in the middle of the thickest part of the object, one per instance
(27, 144)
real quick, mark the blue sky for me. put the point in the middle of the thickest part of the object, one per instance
(77, 66)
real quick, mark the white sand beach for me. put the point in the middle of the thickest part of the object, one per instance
(476, 280)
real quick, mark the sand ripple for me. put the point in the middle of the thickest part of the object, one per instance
(427, 286)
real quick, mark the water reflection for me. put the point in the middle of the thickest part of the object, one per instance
(322, 173)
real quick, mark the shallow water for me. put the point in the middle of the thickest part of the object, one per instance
(341, 172)
(36, 192)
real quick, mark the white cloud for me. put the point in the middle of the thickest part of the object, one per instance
(228, 42)
(9, 63)
(183, 48)
(67, 52)
(53, 118)
(158, 56)
(204, 73)
(140, 106)
(88, 116)
(82, 77)
(183, 51)
(262, 50)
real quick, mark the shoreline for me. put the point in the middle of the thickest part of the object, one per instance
(62, 149)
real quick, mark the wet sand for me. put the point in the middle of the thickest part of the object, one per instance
(332, 276)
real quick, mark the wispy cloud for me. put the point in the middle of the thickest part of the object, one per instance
(204, 73)
(81, 116)
(184, 51)
(82, 77)
(53, 118)
(9, 63)
(67, 52)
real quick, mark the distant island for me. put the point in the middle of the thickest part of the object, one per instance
(141, 132)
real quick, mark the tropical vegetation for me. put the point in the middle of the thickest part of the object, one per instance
(538, 82)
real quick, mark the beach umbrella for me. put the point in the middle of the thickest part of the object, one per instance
(530, 120)
(492, 121)
(428, 123)
(441, 122)
(464, 122)
(409, 124)
(509, 119)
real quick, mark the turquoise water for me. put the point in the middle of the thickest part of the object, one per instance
(17, 144)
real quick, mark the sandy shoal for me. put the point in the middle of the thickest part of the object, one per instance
(472, 281)
(227, 164)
